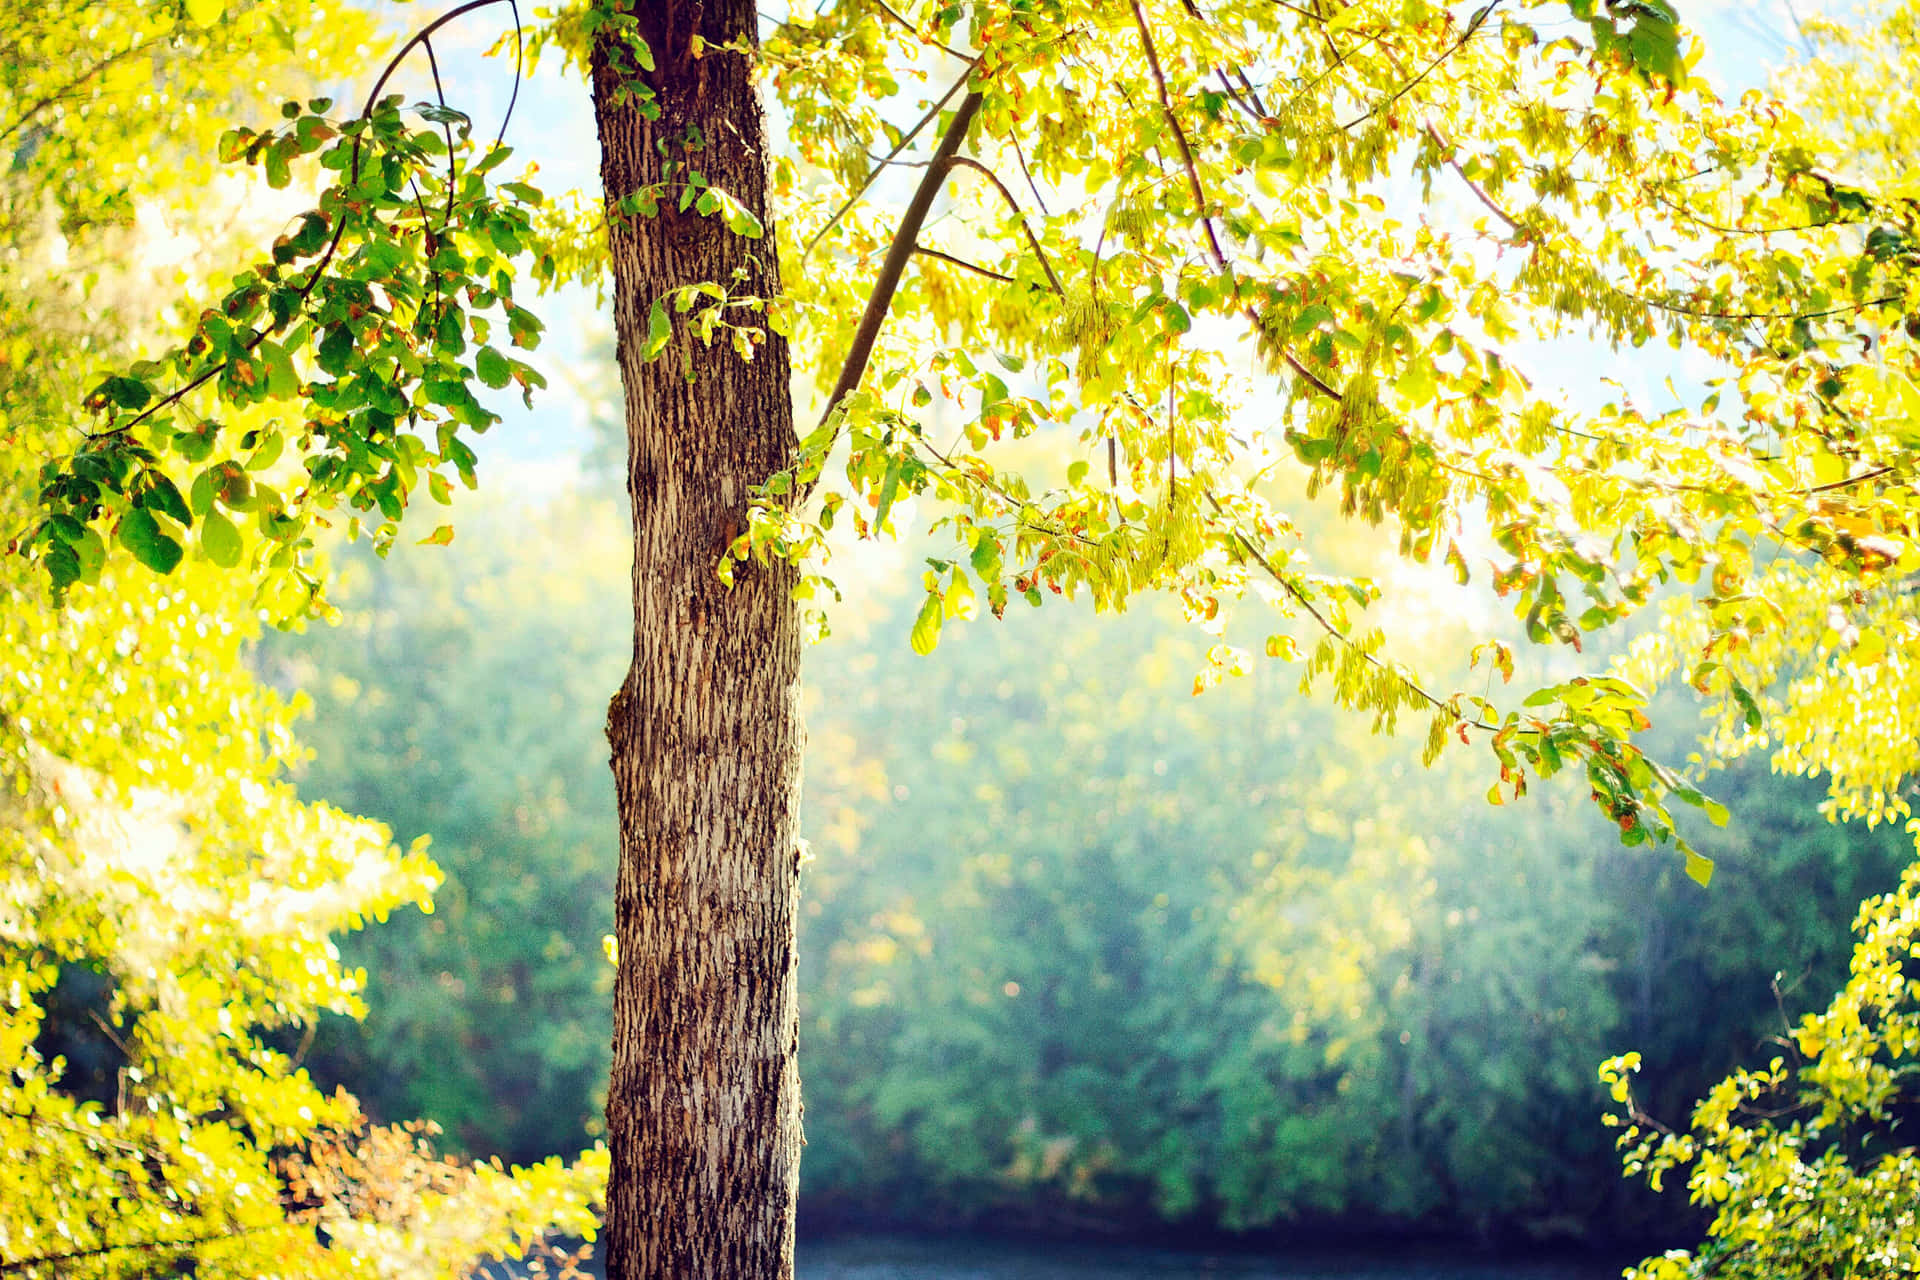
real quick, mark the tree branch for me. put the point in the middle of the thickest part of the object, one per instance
(906, 140)
(1326, 624)
(1478, 20)
(963, 264)
(1187, 161)
(905, 236)
(968, 162)
(1179, 136)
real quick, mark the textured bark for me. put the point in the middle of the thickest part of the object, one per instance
(703, 1108)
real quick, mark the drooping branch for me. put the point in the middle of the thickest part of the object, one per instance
(1006, 194)
(1326, 624)
(905, 237)
(318, 270)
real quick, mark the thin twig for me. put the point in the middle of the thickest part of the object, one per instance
(906, 140)
(923, 37)
(1179, 136)
(963, 264)
(1014, 137)
(1254, 553)
(1479, 19)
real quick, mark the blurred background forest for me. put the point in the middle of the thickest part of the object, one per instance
(1082, 952)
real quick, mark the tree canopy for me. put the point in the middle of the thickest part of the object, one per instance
(1211, 241)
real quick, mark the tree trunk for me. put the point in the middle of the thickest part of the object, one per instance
(703, 1109)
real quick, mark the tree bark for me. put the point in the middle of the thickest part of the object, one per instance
(703, 1108)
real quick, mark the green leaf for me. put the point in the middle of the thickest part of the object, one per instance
(220, 540)
(336, 348)
(1700, 868)
(141, 534)
(888, 484)
(267, 452)
(494, 369)
(986, 555)
(960, 600)
(91, 553)
(926, 627)
(63, 567)
(523, 327)
(126, 393)
(282, 383)
(659, 330)
(1415, 385)
(161, 496)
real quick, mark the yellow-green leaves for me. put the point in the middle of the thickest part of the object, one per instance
(1176, 231)
(361, 320)
(1791, 1157)
(926, 625)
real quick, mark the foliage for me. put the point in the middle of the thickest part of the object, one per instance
(1353, 212)
(364, 313)
(1829, 674)
(1225, 234)
(1359, 209)
(1796, 1160)
(166, 900)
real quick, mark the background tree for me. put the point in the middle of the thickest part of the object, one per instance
(1222, 239)
(166, 938)
(1218, 929)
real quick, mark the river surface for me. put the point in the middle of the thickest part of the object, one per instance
(905, 1258)
(892, 1259)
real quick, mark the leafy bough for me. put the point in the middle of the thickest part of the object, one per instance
(373, 317)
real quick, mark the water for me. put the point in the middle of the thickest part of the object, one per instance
(893, 1259)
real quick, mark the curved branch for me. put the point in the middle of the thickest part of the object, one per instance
(968, 162)
(339, 231)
